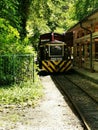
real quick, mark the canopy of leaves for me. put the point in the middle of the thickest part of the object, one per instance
(84, 7)
(32, 18)
(16, 13)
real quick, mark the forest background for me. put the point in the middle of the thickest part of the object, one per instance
(22, 21)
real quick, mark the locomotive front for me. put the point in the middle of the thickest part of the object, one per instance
(54, 56)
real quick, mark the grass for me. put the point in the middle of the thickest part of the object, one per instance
(16, 98)
(26, 93)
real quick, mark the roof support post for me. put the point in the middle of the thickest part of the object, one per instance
(91, 65)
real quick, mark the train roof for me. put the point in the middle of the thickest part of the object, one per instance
(57, 38)
(51, 37)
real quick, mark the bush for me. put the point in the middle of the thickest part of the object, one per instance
(9, 37)
(16, 61)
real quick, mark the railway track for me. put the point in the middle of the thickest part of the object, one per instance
(84, 101)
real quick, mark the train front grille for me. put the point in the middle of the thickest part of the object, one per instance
(56, 66)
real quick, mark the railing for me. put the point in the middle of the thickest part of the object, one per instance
(16, 68)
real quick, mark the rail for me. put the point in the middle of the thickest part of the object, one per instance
(85, 103)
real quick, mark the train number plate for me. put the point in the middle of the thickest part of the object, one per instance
(56, 59)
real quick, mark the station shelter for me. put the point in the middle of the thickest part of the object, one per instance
(85, 42)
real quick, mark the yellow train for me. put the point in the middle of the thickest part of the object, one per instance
(54, 53)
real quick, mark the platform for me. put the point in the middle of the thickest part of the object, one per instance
(93, 76)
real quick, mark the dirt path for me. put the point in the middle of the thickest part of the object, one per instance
(52, 113)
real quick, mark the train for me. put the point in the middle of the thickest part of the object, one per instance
(54, 52)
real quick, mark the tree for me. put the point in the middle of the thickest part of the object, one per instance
(10, 12)
(85, 7)
(46, 16)
(24, 12)
(16, 12)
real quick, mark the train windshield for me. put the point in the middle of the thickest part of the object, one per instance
(56, 51)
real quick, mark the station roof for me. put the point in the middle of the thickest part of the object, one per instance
(91, 18)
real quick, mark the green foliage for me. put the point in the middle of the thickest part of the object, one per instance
(46, 16)
(70, 16)
(85, 7)
(16, 13)
(10, 12)
(9, 37)
(10, 42)
(26, 93)
(34, 18)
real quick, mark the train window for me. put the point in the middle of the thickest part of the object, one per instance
(56, 51)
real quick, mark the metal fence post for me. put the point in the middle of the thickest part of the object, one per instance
(33, 68)
(13, 68)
